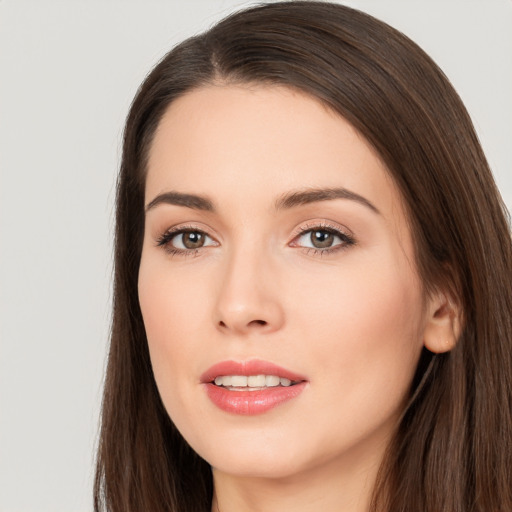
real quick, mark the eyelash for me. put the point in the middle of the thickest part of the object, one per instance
(347, 240)
(165, 241)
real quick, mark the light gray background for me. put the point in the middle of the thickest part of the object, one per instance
(68, 71)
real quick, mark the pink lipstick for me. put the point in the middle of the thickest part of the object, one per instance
(251, 387)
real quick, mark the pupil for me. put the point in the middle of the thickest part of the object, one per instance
(321, 239)
(193, 240)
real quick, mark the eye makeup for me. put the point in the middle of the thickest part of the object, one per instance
(318, 238)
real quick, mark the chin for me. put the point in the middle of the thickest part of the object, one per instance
(257, 456)
(258, 467)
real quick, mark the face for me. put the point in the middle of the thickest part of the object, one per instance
(283, 310)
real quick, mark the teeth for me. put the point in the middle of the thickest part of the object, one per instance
(256, 381)
(238, 381)
(271, 380)
(251, 381)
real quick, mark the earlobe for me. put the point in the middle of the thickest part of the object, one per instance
(443, 324)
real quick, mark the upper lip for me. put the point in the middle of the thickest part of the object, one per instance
(251, 367)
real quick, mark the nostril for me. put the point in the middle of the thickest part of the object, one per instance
(241, 325)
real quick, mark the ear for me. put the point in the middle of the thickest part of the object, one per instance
(443, 323)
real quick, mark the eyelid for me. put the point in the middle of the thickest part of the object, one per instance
(180, 228)
(320, 225)
(163, 240)
(342, 232)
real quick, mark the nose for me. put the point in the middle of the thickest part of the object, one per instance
(248, 299)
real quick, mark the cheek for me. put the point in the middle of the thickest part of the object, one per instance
(170, 305)
(363, 328)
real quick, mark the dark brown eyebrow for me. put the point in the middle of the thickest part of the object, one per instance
(302, 197)
(179, 199)
(289, 200)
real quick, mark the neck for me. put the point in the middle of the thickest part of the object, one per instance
(336, 487)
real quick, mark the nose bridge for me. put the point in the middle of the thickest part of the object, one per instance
(247, 298)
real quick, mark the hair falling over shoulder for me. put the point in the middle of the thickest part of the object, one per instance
(452, 451)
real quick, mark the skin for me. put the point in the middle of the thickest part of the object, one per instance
(352, 321)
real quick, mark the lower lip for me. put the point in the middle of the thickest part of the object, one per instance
(250, 403)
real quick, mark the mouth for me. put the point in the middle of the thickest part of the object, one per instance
(251, 387)
(252, 382)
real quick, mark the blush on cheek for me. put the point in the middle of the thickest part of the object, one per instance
(372, 339)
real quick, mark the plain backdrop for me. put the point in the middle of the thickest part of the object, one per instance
(68, 71)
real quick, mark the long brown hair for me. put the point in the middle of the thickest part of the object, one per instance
(452, 451)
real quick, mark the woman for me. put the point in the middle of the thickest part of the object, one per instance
(312, 287)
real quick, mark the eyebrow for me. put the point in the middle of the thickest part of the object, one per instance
(177, 198)
(284, 202)
(303, 197)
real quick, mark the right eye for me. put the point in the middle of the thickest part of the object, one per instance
(183, 241)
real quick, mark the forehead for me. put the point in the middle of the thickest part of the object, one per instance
(252, 143)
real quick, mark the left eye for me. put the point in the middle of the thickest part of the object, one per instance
(321, 239)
